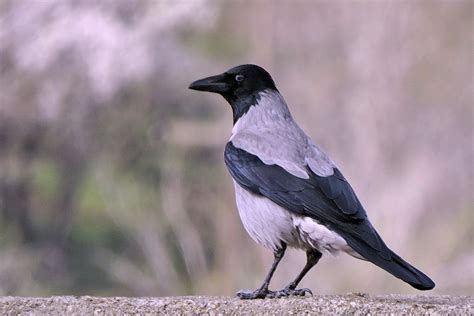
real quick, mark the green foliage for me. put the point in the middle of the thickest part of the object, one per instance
(45, 179)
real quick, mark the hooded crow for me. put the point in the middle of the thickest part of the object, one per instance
(288, 191)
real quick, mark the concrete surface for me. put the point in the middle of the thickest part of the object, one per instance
(352, 304)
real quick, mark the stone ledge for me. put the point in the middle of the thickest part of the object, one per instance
(357, 303)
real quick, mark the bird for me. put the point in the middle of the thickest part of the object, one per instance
(288, 192)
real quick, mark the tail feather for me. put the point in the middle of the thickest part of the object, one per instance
(408, 273)
(392, 263)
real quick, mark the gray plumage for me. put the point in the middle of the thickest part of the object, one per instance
(269, 132)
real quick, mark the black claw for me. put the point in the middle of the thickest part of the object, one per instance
(259, 293)
(265, 293)
(302, 292)
(293, 292)
(281, 293)
(246, 295)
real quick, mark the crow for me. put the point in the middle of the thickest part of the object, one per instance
(288, 191)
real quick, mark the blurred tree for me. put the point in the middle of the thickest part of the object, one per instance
(109, 167)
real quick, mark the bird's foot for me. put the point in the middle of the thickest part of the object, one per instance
(265, 293)
(258, 293)
(287, 291)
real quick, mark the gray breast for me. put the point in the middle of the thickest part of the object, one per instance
(269, 225)
(266, 222)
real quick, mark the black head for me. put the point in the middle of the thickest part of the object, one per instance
(240, 86)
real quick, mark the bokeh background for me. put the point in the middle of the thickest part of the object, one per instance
(112, 180)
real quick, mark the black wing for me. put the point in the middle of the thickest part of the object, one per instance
(329, 200)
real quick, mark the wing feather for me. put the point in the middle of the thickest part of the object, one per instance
(330, 200)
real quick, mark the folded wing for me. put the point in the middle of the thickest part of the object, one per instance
(328, 199)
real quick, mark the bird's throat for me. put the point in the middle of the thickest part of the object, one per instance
(241, 105)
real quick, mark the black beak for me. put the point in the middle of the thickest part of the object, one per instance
(215, 84)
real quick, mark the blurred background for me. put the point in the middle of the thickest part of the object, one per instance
(112, 180)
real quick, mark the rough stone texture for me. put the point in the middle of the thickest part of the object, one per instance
(353, 304)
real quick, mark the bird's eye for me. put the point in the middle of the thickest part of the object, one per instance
(239, 78)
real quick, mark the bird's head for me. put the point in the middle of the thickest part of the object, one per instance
(240, 86)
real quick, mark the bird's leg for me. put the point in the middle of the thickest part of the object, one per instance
(262, 291)
(312, 257)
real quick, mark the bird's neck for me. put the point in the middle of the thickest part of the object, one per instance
(269, 112)
(242, 104)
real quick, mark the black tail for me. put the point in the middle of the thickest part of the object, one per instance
(392, 263)
(405, 271)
